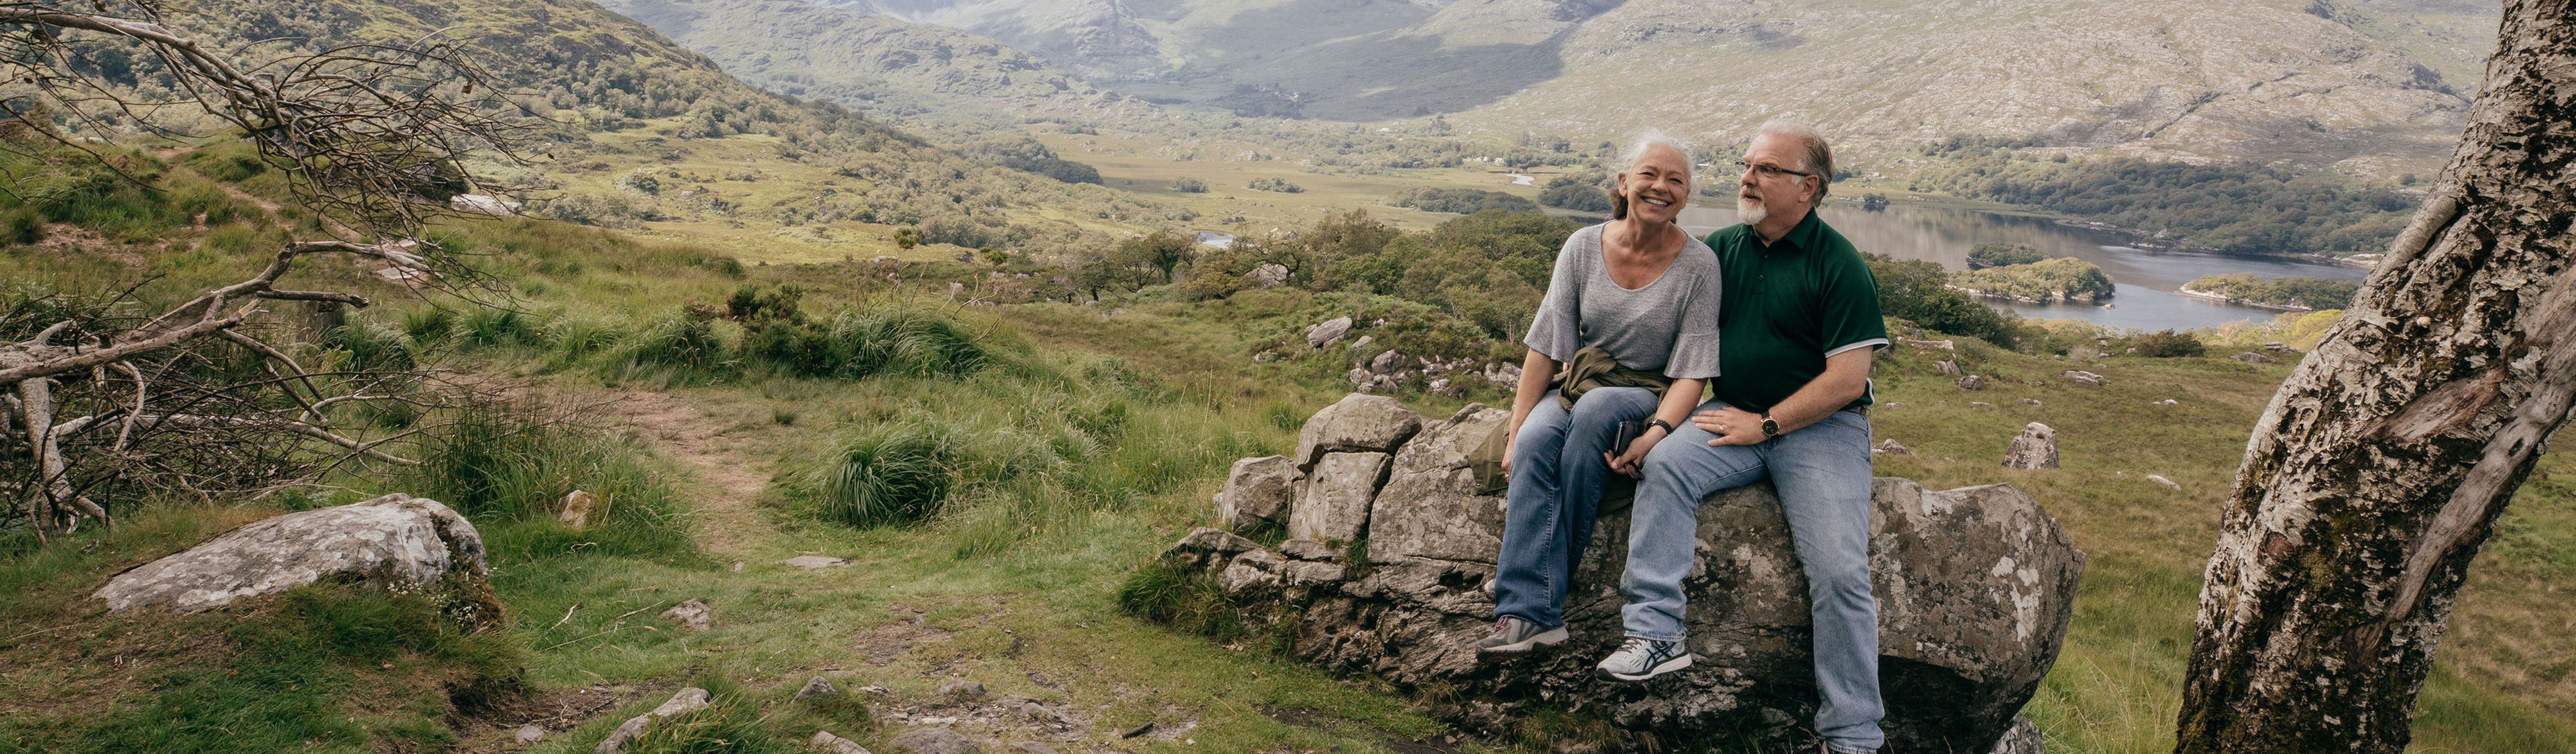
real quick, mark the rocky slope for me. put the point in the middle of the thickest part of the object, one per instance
(872, 62)
(2364, 84)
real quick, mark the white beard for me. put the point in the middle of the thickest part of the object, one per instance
(1750, 211)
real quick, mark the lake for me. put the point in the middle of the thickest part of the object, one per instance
(2147, 279)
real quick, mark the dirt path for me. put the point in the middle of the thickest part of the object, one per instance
(723, 480)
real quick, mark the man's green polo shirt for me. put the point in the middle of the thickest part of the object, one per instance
(1787, 306)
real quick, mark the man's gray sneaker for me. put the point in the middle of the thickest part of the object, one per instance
(1514, 636)
(1640, 659)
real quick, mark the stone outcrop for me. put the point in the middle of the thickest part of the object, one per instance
(1256, 492)
(396, 541)
(2035, 448)
(2082, 377)
(1974, 587)
(1357, 423)
(1327, 332)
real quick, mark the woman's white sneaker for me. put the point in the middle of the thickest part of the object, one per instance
(1514, 636)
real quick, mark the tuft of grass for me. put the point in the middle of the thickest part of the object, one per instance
(683, 348)
(507, 466)
(898, 474)
(1187, 600)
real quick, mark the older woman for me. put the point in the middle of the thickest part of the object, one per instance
(1632, 308)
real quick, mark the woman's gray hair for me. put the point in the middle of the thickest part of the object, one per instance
(1819, 156)
(1637, 146)
(1647, 139)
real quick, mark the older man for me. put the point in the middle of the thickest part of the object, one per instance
(1799, 321)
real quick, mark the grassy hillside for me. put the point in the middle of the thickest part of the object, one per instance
(1075, 442)
(646, 134)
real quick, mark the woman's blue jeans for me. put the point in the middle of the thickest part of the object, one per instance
(1556, 479)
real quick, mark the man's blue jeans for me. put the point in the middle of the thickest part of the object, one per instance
(1822, 474)
(1556, 480)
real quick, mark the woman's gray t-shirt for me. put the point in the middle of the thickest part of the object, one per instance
(1668, 325)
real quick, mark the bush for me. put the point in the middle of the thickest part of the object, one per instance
(1460, 201)
(896, 475)
(1279, 185)
(2002, 254)
(1581, 192)
(1188, 185)
(1916, 290)
(685, 345)
(366, 347)
(22, 226)
(507, 466)
(2165, 344)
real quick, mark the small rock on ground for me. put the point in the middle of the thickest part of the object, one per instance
(817, 687)
(962, 687)
(529, 734)
(1890, 447)
(2159, 479)
(837, 744)
(689, 700)
(935, 741)
(693, 614)
(810, 562)
(1033, 747)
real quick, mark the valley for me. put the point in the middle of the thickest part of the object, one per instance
(885, 330)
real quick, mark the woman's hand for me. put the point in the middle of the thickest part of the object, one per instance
(1510, 440)
(1632, 462)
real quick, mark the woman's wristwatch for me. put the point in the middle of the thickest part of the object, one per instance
(1659, 422)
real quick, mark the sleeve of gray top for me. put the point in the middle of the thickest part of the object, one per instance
(1554, 331)
(1695, 341)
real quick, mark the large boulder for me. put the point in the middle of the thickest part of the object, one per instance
(1332, 503)
(1257, 491)
(1356, 423)
(396, 540)
(1974, 588)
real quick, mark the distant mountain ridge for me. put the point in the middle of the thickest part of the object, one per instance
(2369, 86)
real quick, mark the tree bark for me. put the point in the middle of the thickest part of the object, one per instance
(2380, 468)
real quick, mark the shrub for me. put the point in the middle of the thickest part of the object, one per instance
(686, 345)
(367, 347)
(1460, 201)
(1189, 185)
(506, 466)
(1279, 185)
(22, 226)
(896, 475)
(2167, 344)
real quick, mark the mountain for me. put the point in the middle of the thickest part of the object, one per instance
(2366, 85)
(871, 62)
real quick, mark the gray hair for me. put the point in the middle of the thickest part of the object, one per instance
(1819, 158)
(1647, 139)
(1637, 146)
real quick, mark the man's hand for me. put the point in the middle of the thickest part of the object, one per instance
(1510, 440)
(1733, 426)
(1629, 463)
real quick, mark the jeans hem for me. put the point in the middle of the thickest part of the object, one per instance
(1673, 638)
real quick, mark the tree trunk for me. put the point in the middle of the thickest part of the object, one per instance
(2379, 469)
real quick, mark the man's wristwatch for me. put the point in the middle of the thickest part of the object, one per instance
(1770, 427)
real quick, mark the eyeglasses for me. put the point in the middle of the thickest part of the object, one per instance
(1741, 166)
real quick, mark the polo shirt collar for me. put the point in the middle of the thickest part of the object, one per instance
(1807, 234)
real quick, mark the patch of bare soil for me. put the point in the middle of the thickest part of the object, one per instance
(882, 644)
(495, 727)
(726, 482)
